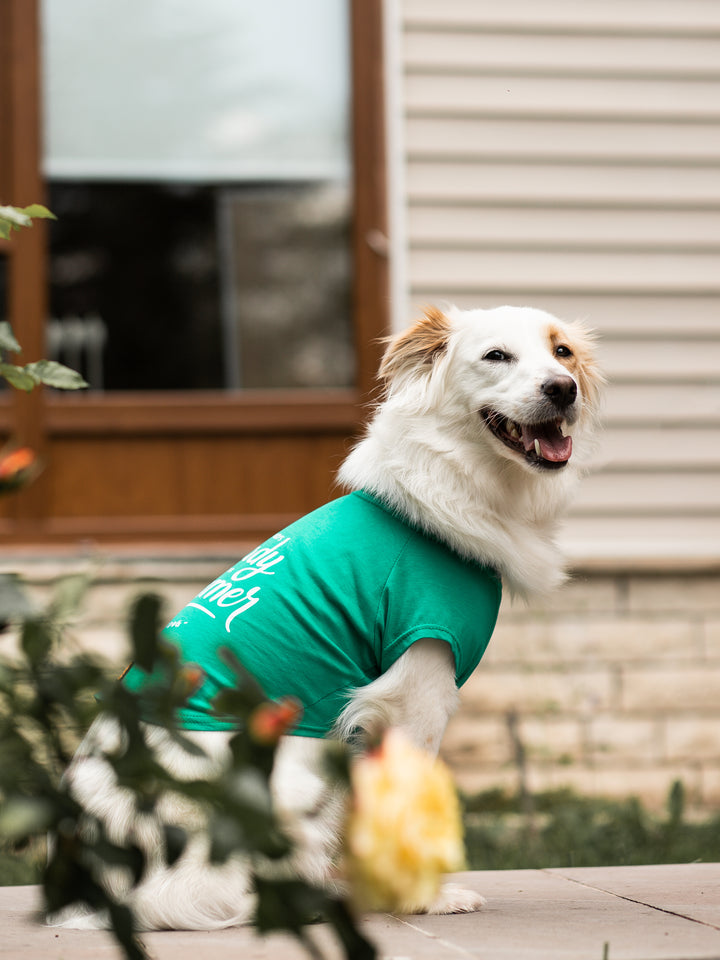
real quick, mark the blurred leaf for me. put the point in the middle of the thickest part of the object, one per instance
(36, 641)
(145, 625)
(37, 211)
(175, 843)
(14, 603)
(123, 926)
(287, 905)
(14, 218)
(21, 817)
(18, 377)
(67, 596)
(7, 338)
(54, 374)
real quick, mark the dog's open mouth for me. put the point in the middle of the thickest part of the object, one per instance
(542, 444)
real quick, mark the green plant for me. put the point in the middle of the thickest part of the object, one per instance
(47, 372)
(46, 704)
(565, 829)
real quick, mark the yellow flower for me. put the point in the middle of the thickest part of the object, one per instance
(404, 827)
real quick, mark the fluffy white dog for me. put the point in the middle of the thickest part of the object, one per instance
(374, 609)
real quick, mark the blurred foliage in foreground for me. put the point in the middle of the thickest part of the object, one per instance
(48, 699)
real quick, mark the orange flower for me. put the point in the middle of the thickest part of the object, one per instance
(273, 719)
(404, 828)
(17, 467)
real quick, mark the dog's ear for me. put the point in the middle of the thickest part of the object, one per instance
(418, 347)
(583, 344)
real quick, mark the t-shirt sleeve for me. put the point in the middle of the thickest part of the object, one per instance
(430, 592)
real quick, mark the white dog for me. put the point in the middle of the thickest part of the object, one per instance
(375, 608)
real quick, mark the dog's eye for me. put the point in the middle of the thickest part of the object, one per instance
(563, 351)
(497, 356)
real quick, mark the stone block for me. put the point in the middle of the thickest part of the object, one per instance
(613, 739)
(694, 738)
(582, 594)
(711, 637)
(595, 638)
(666, 688)
(710, 785)
(539, 691)
(694, 595)
(556, 740)
(476, 740)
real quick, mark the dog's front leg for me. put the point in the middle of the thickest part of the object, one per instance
(418, 695)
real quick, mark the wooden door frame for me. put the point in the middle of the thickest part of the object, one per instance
(39, 419)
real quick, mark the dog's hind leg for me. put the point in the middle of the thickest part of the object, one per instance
(310, 806)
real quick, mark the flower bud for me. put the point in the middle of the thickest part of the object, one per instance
(404, 828)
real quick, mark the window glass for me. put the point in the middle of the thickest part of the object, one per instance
(198, 163)
(221, 90)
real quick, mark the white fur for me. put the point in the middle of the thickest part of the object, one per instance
(429, 453)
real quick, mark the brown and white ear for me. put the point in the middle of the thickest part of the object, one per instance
(588, 371)
(418, 347)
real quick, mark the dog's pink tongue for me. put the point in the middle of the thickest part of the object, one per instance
(553, 445)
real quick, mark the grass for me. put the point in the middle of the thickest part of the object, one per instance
(554, 829)
(563, 829)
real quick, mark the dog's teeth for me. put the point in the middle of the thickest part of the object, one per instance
(537, 447)
(513, 430)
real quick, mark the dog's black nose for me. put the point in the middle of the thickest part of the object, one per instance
(561, 390)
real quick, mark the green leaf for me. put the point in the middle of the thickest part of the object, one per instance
(18, 377)
(37, 211)
(36, 641)
(13, 602)
(22, 817)
(7, 338)
(145, 626)
(15, 217)
(68, 596)
(54, 374)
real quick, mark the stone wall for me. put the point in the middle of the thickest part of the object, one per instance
(612, 686)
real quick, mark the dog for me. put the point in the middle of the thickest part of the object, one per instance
(375, 608)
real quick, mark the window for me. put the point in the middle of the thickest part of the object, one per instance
(200, 168)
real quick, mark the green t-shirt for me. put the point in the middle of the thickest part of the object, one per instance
(329, 604)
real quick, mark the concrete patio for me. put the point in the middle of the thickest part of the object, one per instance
(619, 913)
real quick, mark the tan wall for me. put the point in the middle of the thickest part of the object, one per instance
(615, 681)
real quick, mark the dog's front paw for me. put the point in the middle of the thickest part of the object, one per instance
(455, 899)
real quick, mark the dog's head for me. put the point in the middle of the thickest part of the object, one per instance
(521, 380)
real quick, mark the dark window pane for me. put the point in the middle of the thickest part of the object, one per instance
(134, 285)
(287, 281)
(170, 287)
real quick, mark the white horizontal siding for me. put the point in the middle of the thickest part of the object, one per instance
(591, 184)
(567, 155)
(520, 95)
(498, 226)
(653, 17)
(488, 50)
(485, 138)
(542, 269)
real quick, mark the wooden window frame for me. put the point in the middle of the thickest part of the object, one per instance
(40, 418)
